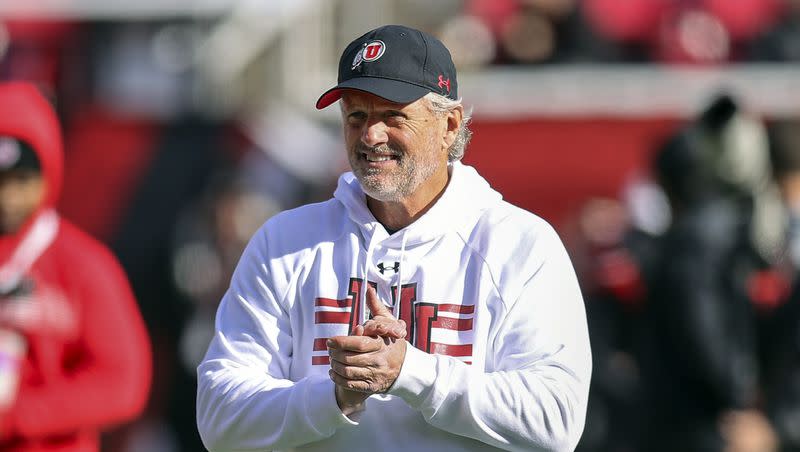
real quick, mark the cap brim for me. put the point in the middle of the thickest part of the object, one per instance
(391, 90)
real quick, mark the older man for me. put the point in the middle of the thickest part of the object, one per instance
(477, 337)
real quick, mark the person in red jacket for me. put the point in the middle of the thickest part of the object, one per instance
(74, 352)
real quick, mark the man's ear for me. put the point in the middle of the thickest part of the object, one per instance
(454, 118)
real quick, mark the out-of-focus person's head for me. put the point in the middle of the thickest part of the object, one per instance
(470, 40)
(32, 154)
(679, 169)
(723, 156)
(529, 36)
(22, 187)
(723, 151)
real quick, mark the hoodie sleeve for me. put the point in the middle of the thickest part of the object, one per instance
(535, 397)
(245, 399)
(109, 376)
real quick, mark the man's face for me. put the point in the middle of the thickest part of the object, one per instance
(395, 150)
(21, 192)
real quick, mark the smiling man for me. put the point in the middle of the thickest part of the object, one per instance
(414, 310)
(398, 153)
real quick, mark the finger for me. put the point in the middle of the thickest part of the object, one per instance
(352, 385)
(358, 331)
(351, 372)
(403, 327)
(381, 326)
(375, 327)
(361, 344)
(352, 358)
(376, 306)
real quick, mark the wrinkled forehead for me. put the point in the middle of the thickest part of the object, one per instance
(352, 98)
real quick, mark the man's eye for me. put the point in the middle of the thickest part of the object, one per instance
(356, 117)
(395, 116)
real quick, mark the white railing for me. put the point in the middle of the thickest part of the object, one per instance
(629, 90)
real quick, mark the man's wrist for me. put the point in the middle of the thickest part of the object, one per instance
(350, 402)
(417, 377)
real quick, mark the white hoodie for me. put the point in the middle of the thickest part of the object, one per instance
(493, 306)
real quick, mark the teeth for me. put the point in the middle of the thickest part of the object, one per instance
(378, 158)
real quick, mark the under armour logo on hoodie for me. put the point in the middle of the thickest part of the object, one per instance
(382, 267)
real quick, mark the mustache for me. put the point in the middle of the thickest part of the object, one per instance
(383, 149)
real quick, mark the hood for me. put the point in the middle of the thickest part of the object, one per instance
(26, 115)
(463, 202)
(467, 195)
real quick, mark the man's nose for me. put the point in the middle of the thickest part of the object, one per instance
(375, 134)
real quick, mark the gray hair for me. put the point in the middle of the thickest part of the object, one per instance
(442, 105)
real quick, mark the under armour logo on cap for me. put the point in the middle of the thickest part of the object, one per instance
(444, 83)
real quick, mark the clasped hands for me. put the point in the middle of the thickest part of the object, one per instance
(367, 361)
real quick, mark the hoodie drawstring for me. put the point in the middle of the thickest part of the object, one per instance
(367, 263)
(36, 241)
(396, 307)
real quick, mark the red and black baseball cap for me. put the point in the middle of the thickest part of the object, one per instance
(397, 63)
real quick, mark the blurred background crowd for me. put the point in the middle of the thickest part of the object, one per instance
(660, 138)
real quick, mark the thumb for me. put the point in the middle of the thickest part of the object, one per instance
(376, 306)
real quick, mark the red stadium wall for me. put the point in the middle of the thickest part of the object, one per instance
(551, 166)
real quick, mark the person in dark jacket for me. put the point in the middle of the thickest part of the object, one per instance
(781, 335)
(702, 363)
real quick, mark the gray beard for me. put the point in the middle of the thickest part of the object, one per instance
(380, 190)
(397, 187)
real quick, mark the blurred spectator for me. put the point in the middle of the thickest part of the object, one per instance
(684, 31)
(210, 236)
(471, 41)
(666, 31)
(781, 42)
(611, 258)
(782, 334)
(529, 36)
(76, 357)
(614, 247)
(185, 155)
(782, 389)
(525, 32)
(701, 365)
(204, 191)
(785, 146)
